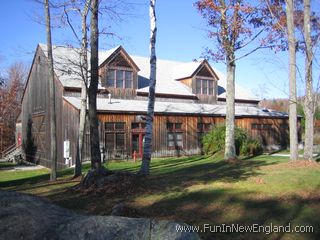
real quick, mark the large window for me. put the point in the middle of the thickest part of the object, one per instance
(204, 86)
(119, 78)
(115, 136)
(174, 135)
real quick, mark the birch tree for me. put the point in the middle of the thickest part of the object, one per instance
(52, 113)
(232, 25)
(82, 72)
(83, 110)
(147, 151)
(292, 81)
(303, 21)
(309, 99)
(93, 87)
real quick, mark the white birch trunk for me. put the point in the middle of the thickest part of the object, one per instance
(84, 82)
(147, 151)
(230, 152)
(53, 138)
(309, 98)
(292, 82)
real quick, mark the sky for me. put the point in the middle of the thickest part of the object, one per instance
(181, 36)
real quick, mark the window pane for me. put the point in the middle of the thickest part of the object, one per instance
(256, 126)
(178, 125)
(109, 126)
(135, 125)
(200, 126)
(119, 126)
(170, 143)
(128, 84)
(179, 136)
(266, 126)
(170, 136)
(119, 79)
(120, 140)
(198, 86)
(128, 79)
(211, 87)
(110, 78)
(204, 87)
(169, 126)
(180, 143)
(109, 141)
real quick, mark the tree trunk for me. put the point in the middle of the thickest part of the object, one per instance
(84, 82)
(309, 99)
(82, 126)
(53, 138)
(292, 82)
(147, 151)
(230, 152)
(94, 64)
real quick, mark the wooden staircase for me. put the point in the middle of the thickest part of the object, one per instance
(12, 154)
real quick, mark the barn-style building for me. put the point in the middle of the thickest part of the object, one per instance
(190, 98)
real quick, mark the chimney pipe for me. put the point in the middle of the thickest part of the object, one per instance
(109, 96)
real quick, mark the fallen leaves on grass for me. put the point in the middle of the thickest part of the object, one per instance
(298, 164)
(116, 183)
(258, 180)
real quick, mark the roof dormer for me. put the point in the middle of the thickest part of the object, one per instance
(119, 71)
(203, 82)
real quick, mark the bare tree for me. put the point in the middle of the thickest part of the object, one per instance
(306, 35)
(53, 138)
(82, 71)
(292, 81)
(93, 87)
(147, 151)
(83, 110)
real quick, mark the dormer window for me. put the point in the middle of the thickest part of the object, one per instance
(204, 86)
(117, 78)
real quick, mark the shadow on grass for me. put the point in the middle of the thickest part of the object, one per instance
(204, 170)
(169, 181)
(27, 180)
(225, 206)
(7, 165)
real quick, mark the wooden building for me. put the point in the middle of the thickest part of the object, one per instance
(190, 98)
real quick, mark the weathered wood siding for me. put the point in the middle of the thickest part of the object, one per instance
(35, 106)
(70, 121)
(272, 131)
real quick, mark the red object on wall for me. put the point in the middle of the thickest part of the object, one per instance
(19, 139)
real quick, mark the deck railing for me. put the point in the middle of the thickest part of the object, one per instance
(9, 150)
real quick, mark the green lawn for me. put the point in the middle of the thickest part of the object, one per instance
(199, 190)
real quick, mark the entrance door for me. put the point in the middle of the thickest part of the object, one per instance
(138, 143)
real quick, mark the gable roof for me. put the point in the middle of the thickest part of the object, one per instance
(107, 57)
(168, 72)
